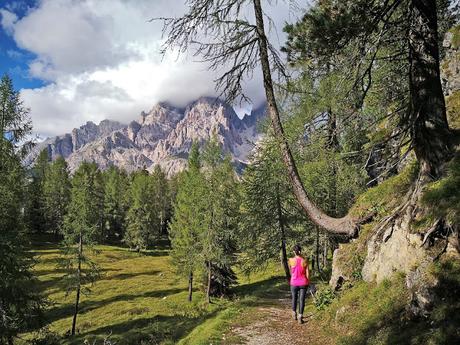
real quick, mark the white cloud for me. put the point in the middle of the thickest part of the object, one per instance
(7, 20)
(102, 60)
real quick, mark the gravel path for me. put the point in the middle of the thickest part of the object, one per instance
(273, 325)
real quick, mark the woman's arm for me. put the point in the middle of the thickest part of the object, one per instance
(307, 271)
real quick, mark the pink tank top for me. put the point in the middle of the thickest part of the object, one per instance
(298, 277)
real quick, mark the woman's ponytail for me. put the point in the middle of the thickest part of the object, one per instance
(297, 250)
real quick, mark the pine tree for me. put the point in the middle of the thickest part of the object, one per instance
(160, 199)
(269, 215)
(20, 304)
(81, 229)
(115, 190)
(226, 220)
(35, 208)
(221, 220)
(186, 227)
(140, 220)
(56, 193)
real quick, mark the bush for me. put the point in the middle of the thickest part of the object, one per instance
(324, 298)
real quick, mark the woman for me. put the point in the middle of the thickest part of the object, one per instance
(299, 282)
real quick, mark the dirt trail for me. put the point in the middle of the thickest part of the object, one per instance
(273, 325)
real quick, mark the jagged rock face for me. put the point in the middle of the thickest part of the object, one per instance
(162, 136)
(450, 66)
(393, 249)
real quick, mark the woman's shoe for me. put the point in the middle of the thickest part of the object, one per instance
(300, 319)
(294, 315)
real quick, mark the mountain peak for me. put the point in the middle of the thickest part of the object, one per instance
(161, 136)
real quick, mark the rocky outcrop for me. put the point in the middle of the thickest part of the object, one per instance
(393, 249)
(394, 245)
(450, 66)
(163, 136)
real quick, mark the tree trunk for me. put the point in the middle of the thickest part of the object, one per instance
(190, 286)
(346, 225)
(284, 259)
(431, 137)
(325, 253)
(77, 300)
(208, 291)
(317, 250)
(332, 140)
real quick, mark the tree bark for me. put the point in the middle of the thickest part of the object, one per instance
(77, 300)
(317, 250)
(325, 253)
(431, 137)
(346, 225)
(284, 259)
(208, 292)
(190, 286)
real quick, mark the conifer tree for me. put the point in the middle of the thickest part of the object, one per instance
(81, 230)
(160, 199)
(20, 304)
(268, 212)
(186, 226)
(56, 193)
(35, 209)
(115, 190)
(221, 220)
(140, 220)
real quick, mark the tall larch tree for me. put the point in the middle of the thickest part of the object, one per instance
(35, 208)
(115, 205)
(140, 219)
(161, 199)
(81, 230)
(221, 220)
(187, 223)
(56, 194)
(20, 304)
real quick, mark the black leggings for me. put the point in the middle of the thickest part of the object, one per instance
(295, 295)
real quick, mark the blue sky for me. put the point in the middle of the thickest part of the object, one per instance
(14, 60)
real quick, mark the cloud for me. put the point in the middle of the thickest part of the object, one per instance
(14, 54)
(7, 21)
(101, 59)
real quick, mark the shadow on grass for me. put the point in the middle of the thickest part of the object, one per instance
(66, 310)
(156, 252)
(153, 330)
(58, 284)
(124, 276)
(263, 292)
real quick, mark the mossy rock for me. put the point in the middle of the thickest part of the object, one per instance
(453, 109)
(455, 42)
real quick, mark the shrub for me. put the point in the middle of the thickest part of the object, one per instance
(324, 298)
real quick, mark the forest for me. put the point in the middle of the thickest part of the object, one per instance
(359, 165)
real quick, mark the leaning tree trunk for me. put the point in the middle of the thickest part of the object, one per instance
(431, 137)
(346, 225)
(77, 299)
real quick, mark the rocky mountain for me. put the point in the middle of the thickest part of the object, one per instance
(162, 136)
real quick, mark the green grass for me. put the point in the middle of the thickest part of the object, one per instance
(139, 299)
(359, 314)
